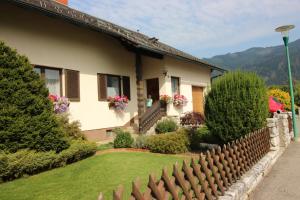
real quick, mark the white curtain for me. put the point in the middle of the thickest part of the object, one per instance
(113, 86)
(52, 79)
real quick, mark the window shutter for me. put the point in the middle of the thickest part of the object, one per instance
(126, 86)
(102, 87)
(72, 85)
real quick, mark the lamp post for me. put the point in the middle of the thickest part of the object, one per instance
(284, 30)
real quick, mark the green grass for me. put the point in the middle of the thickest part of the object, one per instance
(105, 146)
(85, 179)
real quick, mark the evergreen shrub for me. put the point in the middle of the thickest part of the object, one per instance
(236, 105)
(165, 126)
(28, 162)
(71, 129)
(169, 143)
(141, 142)
(27, 119)
(123, 139)
(201, 135)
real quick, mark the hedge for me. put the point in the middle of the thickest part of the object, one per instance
(29, 162)
(171, 143)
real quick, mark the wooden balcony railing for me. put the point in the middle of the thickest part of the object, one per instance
(151, 116)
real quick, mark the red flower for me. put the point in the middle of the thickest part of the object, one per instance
(52, 97)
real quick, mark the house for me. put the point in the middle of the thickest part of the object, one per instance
(88, 59)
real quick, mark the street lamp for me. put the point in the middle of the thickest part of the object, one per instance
(284, 30)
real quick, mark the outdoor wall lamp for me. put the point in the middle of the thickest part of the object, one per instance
(284, 30)
(165, 72)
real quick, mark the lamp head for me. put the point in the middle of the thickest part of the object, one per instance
(284, 30)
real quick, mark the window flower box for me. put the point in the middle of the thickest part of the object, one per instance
(119, 103)
(165, 99)
(60, 104)
(179, 100)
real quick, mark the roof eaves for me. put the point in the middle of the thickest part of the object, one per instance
(76, 17)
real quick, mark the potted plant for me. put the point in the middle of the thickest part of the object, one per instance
(60, 104)
(165, 99)
(179, 100)
(119, 103)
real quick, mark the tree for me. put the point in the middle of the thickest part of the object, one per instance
(27, 119)
(236, 105)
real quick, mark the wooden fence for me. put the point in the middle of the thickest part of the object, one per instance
(207, 177)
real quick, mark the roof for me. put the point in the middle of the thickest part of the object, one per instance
(140, 41)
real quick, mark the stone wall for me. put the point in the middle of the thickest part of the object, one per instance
(283, 128)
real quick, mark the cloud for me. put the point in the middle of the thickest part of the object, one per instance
(196, 25)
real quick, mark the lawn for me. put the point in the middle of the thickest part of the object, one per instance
(85, 179)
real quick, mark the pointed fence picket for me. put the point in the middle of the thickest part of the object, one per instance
(207, 177)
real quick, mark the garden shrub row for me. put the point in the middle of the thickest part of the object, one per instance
(171, 143)
(28, 162)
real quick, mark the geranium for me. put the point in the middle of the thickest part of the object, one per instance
(60, 104)
(119, 103)
(165, 98)
(179, 100)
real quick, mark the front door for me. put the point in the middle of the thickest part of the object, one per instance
(153, 88)
(197, 93)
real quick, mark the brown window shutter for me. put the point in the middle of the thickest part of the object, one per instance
(102, 89)
(126, 86)
(72, 85)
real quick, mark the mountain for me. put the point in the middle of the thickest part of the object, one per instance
(268, 62)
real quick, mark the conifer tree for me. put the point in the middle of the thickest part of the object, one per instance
(27, 119)
(236, 105)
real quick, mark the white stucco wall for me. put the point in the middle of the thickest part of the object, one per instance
(55, 43)
(153, 68)
(190, 74)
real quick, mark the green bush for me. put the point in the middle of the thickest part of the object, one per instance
(71, 129)
(28, 162)
(165, 126)
(236, 105)
(27, 119)
(141, 142)
(170, 143)
(123, 139)
(201, 135)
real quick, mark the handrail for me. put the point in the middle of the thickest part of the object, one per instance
(150, 117)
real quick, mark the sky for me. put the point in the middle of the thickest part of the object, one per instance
(203, 28)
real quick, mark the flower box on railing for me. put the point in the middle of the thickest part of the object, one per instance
(60, 104)
(179, 100)
(119, 103)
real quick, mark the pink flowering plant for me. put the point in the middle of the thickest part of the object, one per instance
(165, 99)
(119, 103)
(179, 100)
(60, 104)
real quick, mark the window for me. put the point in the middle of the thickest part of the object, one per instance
(72, 85)
(52, 78)
(112, 85)
(175, 85)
